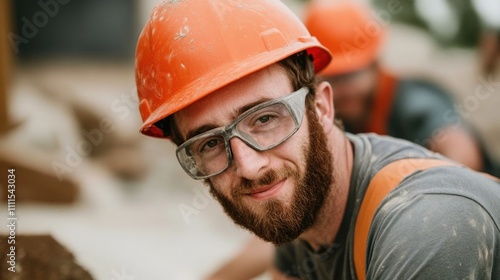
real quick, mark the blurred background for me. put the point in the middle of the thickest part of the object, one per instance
(118, 202)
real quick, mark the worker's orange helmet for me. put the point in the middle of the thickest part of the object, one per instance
(349, 31)
(190, 48)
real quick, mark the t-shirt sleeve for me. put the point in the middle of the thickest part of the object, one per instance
(432, 236)
(420, 110)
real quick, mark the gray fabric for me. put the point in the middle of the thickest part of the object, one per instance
(420, 110)
(413, 233)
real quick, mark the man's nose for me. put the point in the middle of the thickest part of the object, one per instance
(247, 162)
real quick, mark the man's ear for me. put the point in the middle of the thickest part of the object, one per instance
(324, 105)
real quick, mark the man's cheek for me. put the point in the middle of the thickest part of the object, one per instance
(218, 186)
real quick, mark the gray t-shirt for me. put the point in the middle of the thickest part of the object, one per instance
(442, 223)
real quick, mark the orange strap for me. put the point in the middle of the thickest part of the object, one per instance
(380, 186)
(384, 96)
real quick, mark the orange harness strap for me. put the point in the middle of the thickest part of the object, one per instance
(384, 97)
(380, 186)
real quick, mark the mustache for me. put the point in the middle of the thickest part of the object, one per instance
(268, 178)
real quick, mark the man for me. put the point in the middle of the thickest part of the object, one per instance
(233, 84)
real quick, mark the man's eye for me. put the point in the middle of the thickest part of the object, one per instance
(264, 119)
(210, 144)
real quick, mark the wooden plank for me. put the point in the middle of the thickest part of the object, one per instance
(41, 257)
(35, 184)
(36, 181)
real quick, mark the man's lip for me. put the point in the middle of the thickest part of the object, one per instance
(267, 191)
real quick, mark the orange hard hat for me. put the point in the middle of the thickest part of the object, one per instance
(190, 48)
(349, 31)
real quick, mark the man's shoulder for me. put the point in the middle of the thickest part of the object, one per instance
(442, 183)
(418, 109)
(377, 151)
(455, 181)
(417, 98)
(420, 92)
(432, 215)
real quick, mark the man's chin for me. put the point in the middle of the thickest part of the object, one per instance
(260, 209)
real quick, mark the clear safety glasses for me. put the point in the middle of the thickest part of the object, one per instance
(262, 127)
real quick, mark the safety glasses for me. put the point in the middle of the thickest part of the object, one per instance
(261, 127)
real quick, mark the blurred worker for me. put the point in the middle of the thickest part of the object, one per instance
(368, 98)
(233, 84)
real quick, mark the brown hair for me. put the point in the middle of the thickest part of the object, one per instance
(300, 69)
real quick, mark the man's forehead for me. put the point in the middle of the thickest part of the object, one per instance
(223, 105)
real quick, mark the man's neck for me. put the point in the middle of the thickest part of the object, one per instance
(331, 215)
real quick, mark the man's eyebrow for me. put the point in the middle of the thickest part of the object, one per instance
(194, 132)
(245, 108)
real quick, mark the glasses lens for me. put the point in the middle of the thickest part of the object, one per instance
(204, 155)
(267, 126)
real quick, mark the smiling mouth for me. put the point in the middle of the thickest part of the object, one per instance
(267, 191)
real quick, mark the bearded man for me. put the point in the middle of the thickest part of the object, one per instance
(233, 84)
